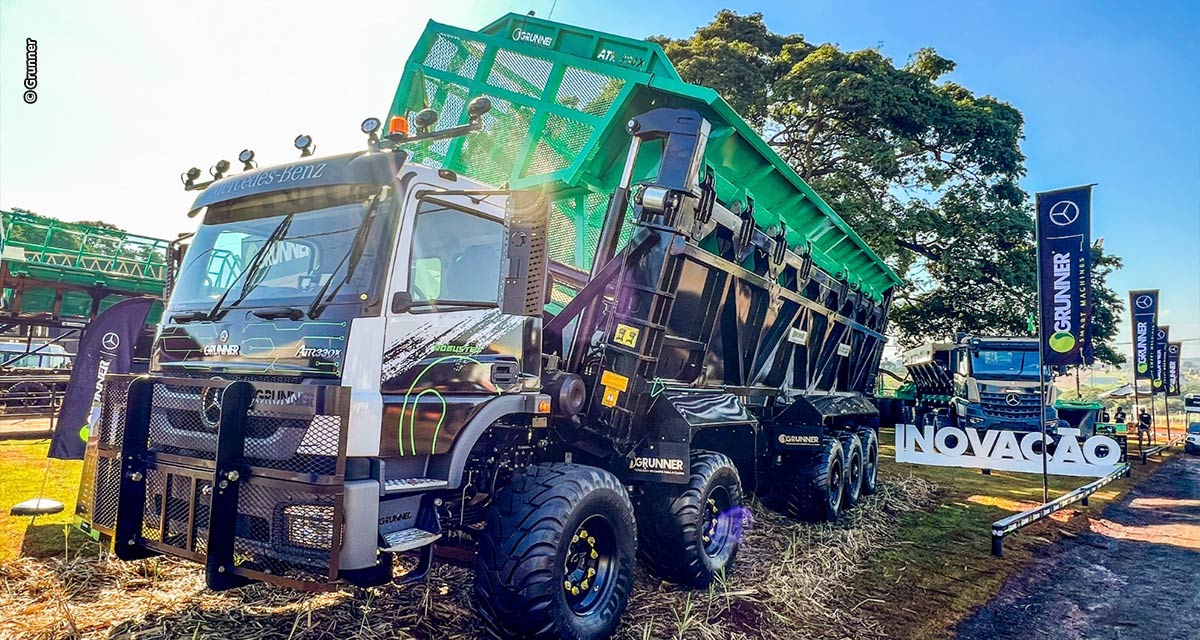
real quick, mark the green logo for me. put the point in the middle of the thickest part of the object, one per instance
(1158, 383)
(1143, 367)
(83, 433)
(1062, 342)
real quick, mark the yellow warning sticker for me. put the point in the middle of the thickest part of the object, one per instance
(626, 335)
(610, 397)
(614, 380)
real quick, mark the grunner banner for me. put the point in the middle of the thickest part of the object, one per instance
(1143, 305)
(1174, 384)
(105, 347)
(1159, 381)
(1064, 230)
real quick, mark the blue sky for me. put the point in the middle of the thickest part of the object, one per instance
(133, 93)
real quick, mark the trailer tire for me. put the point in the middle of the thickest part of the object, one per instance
(531, 539)
(814, 491)
(689, 534)
(870, 449)
(853, 450)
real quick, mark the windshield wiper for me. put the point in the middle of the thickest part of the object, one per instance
(252, 268)
(189, 316)
(352, 255)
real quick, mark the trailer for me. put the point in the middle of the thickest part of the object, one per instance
(54, 277)
(570, 330)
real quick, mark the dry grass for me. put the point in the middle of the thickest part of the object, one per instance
(790, 581)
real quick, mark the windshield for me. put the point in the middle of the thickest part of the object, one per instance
(455, 256)
(314, 230)
(1015, 364)
(43, 359)
(1194, 427)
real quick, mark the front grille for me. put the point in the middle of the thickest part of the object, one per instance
(996, 405)
(282, 432)
(287, 524)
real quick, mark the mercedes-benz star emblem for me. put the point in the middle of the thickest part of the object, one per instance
(210, 405)
(110, 341)
(1064, 212)
(1012, 399)
(1143, 302)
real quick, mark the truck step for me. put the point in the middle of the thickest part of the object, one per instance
(408, 539)
(408, 485)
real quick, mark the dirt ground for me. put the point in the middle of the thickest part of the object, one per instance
(1135, 575)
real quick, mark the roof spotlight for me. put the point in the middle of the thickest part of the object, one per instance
(218, 170)
(371, 126)
(478, 106)
(425, 119)
(188, 178)
(304, 143)
(246, 157)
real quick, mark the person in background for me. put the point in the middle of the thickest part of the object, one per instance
(1144, 426)
(1121, 417)
(1105, 416)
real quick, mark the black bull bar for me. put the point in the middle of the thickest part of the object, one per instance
(244, 477)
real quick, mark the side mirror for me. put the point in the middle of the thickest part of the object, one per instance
(401, 301)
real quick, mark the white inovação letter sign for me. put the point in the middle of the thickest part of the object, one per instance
(1007, 450)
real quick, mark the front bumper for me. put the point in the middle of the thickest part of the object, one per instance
(247, 478)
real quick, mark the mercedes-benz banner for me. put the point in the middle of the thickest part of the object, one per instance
(1143, 305)
(1064, 273)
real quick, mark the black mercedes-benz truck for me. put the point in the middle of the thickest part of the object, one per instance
(364, 357)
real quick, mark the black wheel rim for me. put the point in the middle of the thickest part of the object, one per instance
(717, 525)
(869, 468)
(856, 466)
(589, 565)
(836, 483)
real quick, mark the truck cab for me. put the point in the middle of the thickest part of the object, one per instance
(982, 382)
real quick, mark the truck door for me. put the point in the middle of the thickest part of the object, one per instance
(447, 346)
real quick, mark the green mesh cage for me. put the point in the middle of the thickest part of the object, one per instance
(43, 254)
(561, 96)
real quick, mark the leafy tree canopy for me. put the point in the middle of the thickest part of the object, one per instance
(923, 168)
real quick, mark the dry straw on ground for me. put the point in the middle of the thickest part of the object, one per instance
(790, 581)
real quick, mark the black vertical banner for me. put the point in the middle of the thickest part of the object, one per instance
(1064, 273)
(1143, 305)
(105, 347)
(1174, 384)
(1158, 382)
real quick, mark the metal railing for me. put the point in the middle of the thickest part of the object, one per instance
(1002, 528)
(1157, 449)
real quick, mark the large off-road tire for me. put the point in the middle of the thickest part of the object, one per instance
(852, 449)
(689, 534)
(870, 448)
(812, 485)
(557, 555)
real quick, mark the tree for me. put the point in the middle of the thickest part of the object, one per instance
(1107, 306)
(924, 169)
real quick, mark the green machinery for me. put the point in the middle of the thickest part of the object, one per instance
(52, 270)
(561, 97)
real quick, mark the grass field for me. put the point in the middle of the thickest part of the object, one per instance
(936, 568)
(22, 468)
(942, 568)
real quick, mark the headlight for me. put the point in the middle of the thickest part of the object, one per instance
(309, 526)
(976, 419)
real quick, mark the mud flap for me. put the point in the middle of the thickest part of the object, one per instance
(668, 462)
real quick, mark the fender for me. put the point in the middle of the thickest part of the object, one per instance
(450, 465)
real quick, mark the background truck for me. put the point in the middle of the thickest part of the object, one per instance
(980, 382)
(382, 353)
